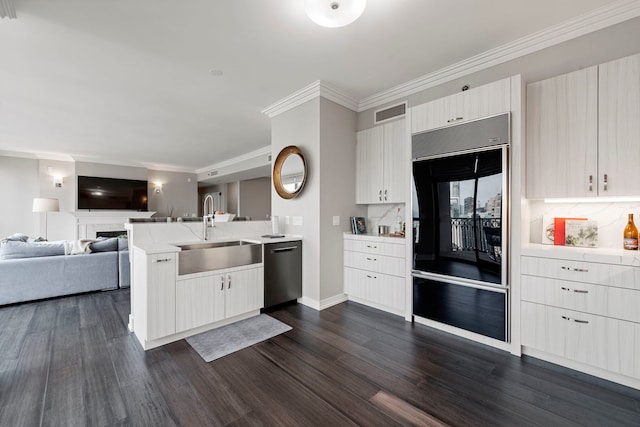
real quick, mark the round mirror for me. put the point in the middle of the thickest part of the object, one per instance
(289, 172)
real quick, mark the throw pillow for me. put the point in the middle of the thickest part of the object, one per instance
(17, 237)
(123, 244)
(104, 245)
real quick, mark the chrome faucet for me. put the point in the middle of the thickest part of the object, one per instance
(207, 214)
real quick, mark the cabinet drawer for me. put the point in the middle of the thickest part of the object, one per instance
(375, 247)
(608, 301)
(598, 341)
(622, 276)
(375, 263)
(381, 289)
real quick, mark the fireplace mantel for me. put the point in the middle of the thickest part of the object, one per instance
(88, 223)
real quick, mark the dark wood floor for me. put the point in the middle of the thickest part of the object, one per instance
(71, 361)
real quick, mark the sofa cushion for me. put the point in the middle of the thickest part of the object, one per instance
(18, 249)
(104, 245)
(123, 244)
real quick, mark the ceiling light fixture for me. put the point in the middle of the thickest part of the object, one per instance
(334, 13)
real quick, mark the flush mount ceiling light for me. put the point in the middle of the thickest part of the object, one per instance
(334, 13)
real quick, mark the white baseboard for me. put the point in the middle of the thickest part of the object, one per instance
(325, 303)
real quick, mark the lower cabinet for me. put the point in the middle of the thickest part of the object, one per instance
(153, 296)
(585, 312)
(598, 341)
(374, 271)
(211, 297)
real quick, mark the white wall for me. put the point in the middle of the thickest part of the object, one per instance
(60, 225)
(18, 186)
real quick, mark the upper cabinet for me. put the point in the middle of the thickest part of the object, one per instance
(488, 100)
(583, 132)
(381, 164)
(562, 135)
(619, 127)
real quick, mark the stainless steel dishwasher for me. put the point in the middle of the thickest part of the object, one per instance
(282, 272)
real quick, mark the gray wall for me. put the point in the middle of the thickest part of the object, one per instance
(255, 199)
(592, 49)
(325, 133)
(179, 194)
(233, 189)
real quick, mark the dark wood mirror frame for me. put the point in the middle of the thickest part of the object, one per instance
(291, 150)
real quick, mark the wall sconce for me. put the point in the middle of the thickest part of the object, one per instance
(58, 181)
(158, 188)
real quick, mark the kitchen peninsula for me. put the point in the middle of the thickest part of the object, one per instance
(177, 292)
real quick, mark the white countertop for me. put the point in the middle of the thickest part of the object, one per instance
(376, 237)
(604, 255)
(151, 248)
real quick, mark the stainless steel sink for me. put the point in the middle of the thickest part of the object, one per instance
(209, 256)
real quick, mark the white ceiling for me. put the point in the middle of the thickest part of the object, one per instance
(129, 81)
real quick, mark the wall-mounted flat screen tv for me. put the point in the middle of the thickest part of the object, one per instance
(111, 193)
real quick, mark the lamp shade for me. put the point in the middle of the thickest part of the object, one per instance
(45, 205)
(334, 13)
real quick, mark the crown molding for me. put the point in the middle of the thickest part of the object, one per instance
(307, 93)
(606, 16)
(264, 151)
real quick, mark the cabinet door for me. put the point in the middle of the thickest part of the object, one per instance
(482, 101)
(199, 301)
(562, 136)
(595, 340)
(381, 289)
(161, 295)
(619, 131)
(369, 166)
(395, 160)
(244, 291)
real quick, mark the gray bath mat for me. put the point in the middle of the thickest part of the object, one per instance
(216, 343)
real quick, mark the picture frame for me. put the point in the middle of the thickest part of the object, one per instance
(358, 225)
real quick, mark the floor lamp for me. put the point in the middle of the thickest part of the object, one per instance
(45, 205)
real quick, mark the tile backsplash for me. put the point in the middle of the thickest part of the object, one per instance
(611, 218)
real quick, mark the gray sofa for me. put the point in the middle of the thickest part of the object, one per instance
(36, 270)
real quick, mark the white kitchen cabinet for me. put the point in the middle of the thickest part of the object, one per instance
(583, 132)
(381, 164)
(562, 136)
(619, 127)
(585, 312)
(154, 288)
(482, 101)
(374, 271)
(205, 298)
(245, 291)
(199, 301)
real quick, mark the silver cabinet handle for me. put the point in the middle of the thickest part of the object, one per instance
(380, 195)
(590, 182)
(372, 259)
(575, 320)
(605, 182)
(579, 270)
(229, 282)
(371, 277)
(454, 119)
(385, 195)
(372, 247)
(221, 283)
(161, 260)
(578, 291)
